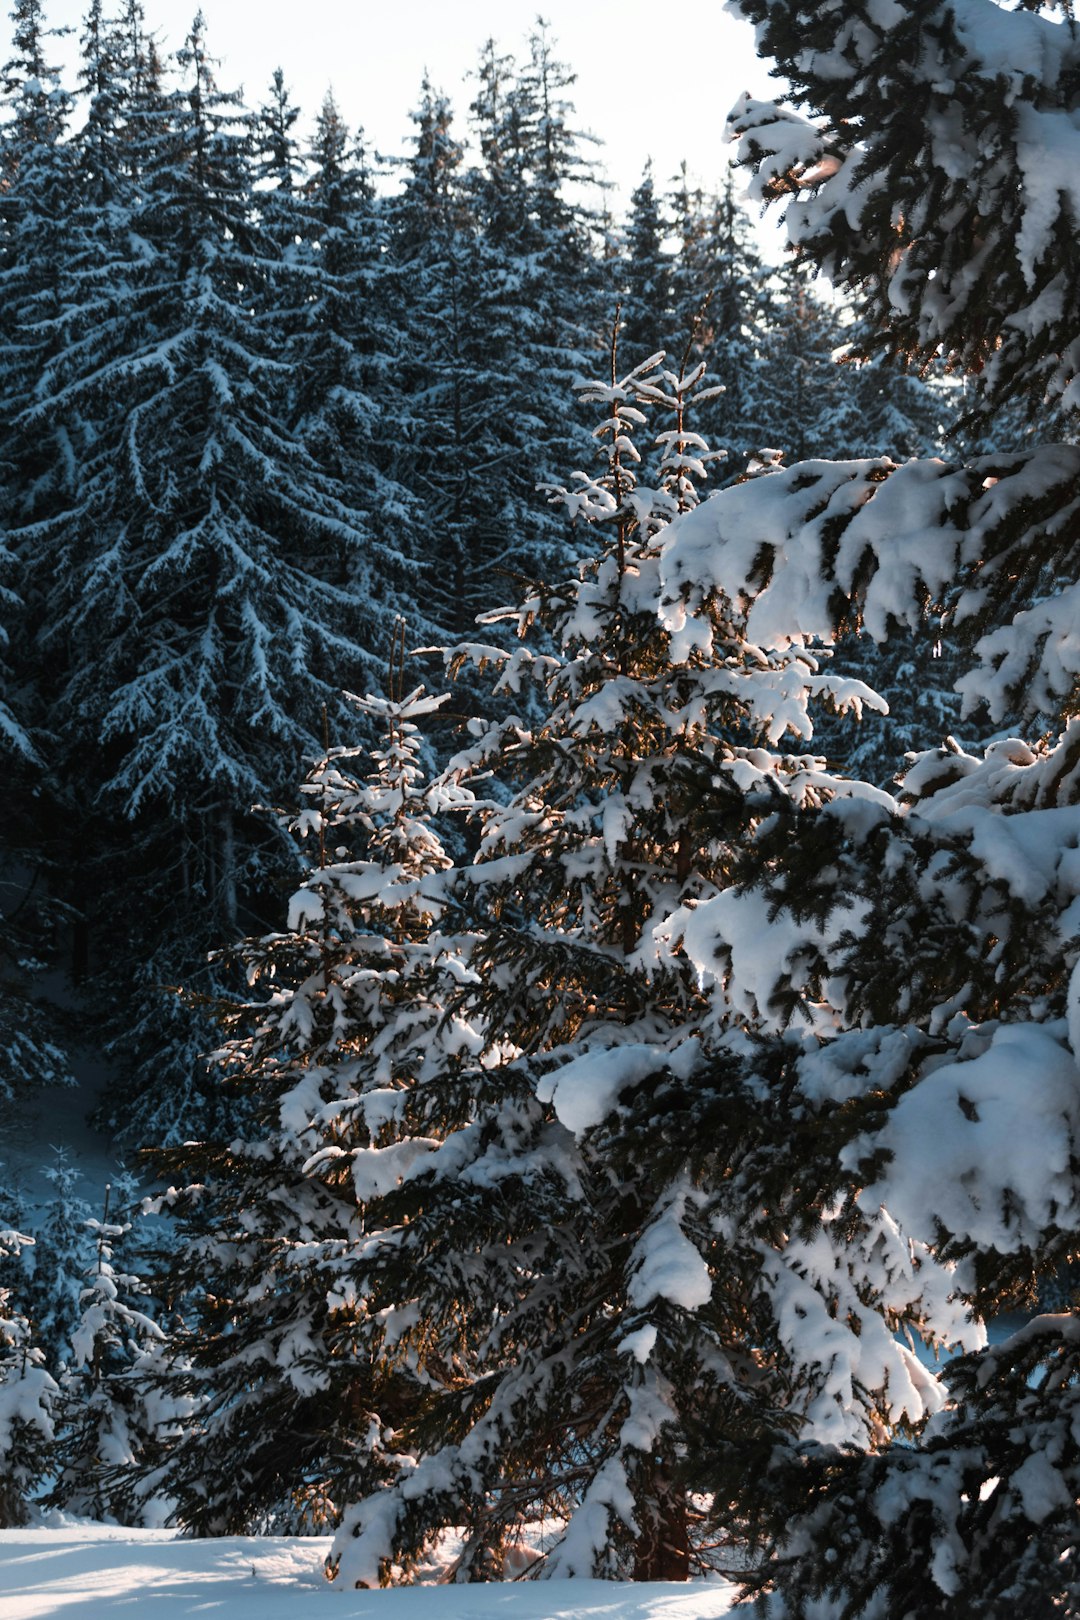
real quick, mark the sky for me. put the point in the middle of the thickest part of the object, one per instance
(650, 82)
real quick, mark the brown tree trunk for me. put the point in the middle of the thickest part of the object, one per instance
(663, 1552)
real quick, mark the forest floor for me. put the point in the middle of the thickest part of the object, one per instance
(85, 1571)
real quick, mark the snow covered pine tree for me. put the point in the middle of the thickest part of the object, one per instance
(27, 1397)
(298, 1385)
(644, 1240)
(59, 1258)
(106, 1423)
(208, 585)
(930, 947)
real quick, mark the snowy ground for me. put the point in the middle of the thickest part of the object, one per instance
(91, 1572)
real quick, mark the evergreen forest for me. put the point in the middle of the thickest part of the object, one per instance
(543, 780)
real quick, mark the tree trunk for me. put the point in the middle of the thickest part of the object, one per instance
(663, 1552)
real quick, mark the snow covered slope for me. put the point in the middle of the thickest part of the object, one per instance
(92, 1572)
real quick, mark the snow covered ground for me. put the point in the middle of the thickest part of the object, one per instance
(92, 1572)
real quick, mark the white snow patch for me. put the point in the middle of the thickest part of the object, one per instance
(985, 1147)
(586, 1088)
(1041, 1488)
(666, 1265)
(639, 1344)
(84, 1571)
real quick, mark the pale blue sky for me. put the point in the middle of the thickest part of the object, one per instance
(653, 80)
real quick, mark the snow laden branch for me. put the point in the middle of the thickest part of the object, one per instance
(827, 544)
(27, 1403)
(936, 168)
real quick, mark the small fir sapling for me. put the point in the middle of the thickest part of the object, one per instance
(27, 1403)
(299, 1384)
(109, 1421)
(60, 1258)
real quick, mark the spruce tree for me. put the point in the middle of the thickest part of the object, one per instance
(209, 590)
(629, 1279)
(33, 1033)
(278, 169)
(553, 329)
(104, 1425)
(824, 401)
(501, 273)
(489, 336)
(809, 404)
(35, 209)
(893, 411)
(646, 271)
(929, 945)
(432, 271)
(300, 1382)
(27, 1396)
(345, 354)
(101, 80)
(60, 1257)
(36, 475)
(724, 300)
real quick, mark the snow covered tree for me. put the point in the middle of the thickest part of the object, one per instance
(646, 270)
(872, 408)
(102, 81)
(773, 340)
(35, 206)
(809, 398)
(725, 301)
(433, 270)
(105, 1425)
(822, 401)
(278, 169)
(470, 263)
(35, 473)
(522, 295)
(930, 959)
(61, 1255)
(32, 1033)
(300, 1388)
(70, 268)
(630, 1270)
(27, 1395)
(891, 411)
(928, 948)
(209, 590)
(344, 349)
